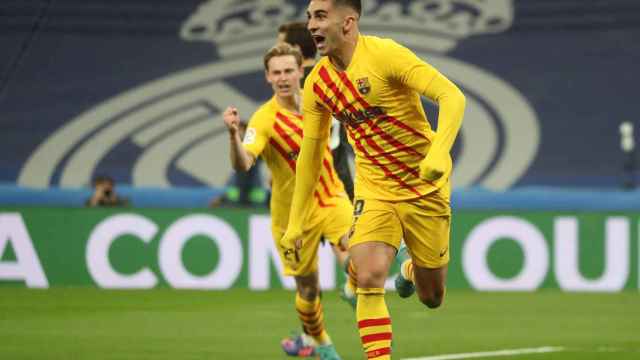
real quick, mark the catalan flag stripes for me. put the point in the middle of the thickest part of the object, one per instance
(374, 323)
(362, 149)
(284, 138)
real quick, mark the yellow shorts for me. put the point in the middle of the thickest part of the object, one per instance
(423, 223)
(335, 223)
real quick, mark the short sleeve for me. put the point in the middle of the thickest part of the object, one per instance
(256, 136)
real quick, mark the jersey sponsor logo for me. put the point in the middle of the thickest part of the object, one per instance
(354, 118)
(174, 125)
(364, 87)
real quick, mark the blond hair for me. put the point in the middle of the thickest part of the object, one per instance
(282, 50)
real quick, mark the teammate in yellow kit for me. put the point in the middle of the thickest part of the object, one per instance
(402, 187)
(275, 133)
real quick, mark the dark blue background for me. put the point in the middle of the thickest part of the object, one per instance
(576, 62)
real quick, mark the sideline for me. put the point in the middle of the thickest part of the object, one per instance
(539, 350)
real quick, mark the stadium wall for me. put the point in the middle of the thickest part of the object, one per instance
(135, 89)
(506, 250)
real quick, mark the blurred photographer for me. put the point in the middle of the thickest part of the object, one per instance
(104, 194)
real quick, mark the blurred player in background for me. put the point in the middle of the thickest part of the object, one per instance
(297, 35)
(373, 86)
(275, 133)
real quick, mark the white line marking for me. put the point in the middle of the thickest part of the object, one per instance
(539, 350)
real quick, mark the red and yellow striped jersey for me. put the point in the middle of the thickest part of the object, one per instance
(276, 134)
(377, 99)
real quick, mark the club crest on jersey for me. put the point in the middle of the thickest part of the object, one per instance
(363, 85)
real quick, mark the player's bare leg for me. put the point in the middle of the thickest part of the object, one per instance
(430, 285)
(373, 261)
(307, 286)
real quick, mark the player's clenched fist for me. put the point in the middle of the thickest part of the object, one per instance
(432, 167)
(231, 119)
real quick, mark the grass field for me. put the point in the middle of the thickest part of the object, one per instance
(78, 323)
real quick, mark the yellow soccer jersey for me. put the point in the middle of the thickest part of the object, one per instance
(377, 99)
(276, 134)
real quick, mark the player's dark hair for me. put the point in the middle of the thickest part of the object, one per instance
(296, 33)
(354, 4)
(282, 50)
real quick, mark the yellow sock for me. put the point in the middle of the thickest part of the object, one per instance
(407, 270)
(374, 323)
(312, 318)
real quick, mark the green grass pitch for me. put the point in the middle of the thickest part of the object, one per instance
(79, 323)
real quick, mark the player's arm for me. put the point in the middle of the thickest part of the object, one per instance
(426, 80)
(451, 104)
(317, 124)
(241, 159)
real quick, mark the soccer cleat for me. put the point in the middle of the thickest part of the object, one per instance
(404, 287)
(348, 296)
(295, 345)
(327, 352)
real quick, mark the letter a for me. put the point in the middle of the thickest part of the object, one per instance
(27, 266)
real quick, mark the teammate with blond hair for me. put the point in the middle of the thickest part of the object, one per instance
(275, 133)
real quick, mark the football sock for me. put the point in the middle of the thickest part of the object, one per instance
(374, 323)
(312, 318)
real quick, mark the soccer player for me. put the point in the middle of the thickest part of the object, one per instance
(402, 188)
(275, 133)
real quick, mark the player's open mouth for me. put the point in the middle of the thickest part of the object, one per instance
(319, 40)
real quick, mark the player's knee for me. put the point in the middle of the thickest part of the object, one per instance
(371, 278)
(432, 299)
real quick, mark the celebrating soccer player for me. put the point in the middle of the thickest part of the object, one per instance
(275, 133)
(402, 187)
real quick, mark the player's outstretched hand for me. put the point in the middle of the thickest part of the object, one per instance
(432, 167)
(231, 119)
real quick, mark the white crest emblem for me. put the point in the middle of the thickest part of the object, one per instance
(176, 119)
